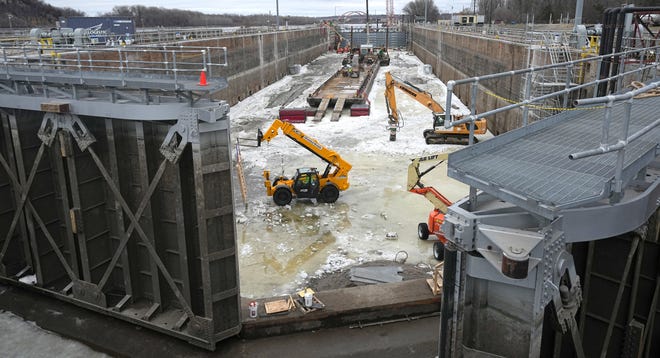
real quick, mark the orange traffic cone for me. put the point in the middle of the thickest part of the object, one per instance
(202, 78)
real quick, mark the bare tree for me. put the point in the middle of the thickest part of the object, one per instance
(420, 8)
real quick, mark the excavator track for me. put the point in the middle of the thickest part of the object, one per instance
(438, 138)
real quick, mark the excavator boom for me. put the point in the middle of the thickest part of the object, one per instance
(437, 135)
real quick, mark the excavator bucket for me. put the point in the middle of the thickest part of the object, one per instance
(260, 136)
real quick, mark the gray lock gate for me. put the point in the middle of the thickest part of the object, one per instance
(119, 198)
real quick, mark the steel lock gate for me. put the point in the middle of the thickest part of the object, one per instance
(130, 218)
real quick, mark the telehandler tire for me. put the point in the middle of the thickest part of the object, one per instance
(282, 196)
(329, 194)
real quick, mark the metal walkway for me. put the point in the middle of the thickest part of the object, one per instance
(531, 167)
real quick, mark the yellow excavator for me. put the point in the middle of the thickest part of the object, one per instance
(307, 182)
(439, 134)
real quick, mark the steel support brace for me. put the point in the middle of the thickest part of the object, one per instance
(508, 268)
(183, 132)
(74, 126)
(9, 124)
(619, 295)
(24, 189)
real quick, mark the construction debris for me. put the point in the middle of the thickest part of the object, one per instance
(279, 306)
(435, 283)
(376, 274)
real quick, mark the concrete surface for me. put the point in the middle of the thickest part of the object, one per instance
(417, 337)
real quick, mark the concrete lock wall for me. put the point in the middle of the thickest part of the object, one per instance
(258, 60)
(455, 56)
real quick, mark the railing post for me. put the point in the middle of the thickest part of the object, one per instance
(473, 110)
(605, 134)
(528, 91)
(450, 92)
(26, 63)
(619, 78)
(204, 63)
(569, 76)
(121, 67)
(618, 183)
(4, 57)
(41, 67)
(597, 81)
(174, 69)
(641, 64)
(79, 61)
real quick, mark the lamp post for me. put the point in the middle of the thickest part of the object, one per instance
(9, 16)
(426, 10)
(277, 14)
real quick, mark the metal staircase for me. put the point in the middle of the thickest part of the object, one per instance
(548, 49)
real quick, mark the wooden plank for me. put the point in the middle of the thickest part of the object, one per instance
(320, 112)
(339, 106)
(55, 107)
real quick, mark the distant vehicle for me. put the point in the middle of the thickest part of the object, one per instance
(467, 20)
(103, 30)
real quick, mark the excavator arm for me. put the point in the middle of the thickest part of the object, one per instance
(339, 176)
(418, 94)
(436, 135)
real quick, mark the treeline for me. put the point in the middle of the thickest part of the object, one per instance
(36, 13)
(544, 11)
(520, 11)
(150, 16)
(32, 13)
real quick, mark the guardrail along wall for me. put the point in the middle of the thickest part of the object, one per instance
(258, 60)
(456, 55)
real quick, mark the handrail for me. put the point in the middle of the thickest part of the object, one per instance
(528, 101)
(610, 100)
(139, 60)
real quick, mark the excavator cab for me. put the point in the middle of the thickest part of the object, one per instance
(438, 120)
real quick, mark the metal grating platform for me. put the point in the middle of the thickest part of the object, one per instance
(530, 167)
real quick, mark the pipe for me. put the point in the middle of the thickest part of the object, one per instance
(606, 47)
(613, 23)
(447, 335)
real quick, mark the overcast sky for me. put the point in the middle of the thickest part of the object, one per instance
(246, 7)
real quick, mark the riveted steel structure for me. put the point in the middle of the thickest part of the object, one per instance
(116, 186)
(555, 251)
